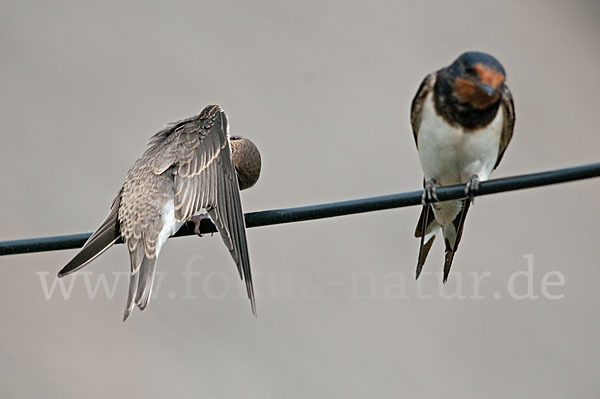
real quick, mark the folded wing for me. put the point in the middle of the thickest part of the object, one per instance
(103, 238)
(206, 179)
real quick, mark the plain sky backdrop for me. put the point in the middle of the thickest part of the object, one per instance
(323, 88)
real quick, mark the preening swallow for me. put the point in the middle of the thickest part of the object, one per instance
(191, 168)
(462, 119)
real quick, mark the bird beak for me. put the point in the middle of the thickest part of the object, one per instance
(486, 88)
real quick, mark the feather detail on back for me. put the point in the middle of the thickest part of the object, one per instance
(188, 165)
(206, 179)
(188, 168)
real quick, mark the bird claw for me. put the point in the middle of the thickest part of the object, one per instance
(197, 219)
(472, 187)
(429, 195)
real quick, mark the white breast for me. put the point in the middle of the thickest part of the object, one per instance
(452, 156)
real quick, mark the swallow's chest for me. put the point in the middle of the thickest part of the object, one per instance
(452, 155)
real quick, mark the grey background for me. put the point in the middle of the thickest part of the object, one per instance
(323, 88)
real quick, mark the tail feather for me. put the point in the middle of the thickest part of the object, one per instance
(133, 288)
(146, 282)
(103, 238)
(141, 279)
(452, 236)
(136, 257)
(427, 229)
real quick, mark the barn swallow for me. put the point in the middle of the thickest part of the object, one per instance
(462, 119)
(191, 170)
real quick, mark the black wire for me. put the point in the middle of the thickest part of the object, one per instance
(332, 209)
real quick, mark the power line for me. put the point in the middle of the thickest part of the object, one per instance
(332, 209)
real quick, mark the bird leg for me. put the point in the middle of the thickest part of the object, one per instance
(429, 195)
(197, 219)
(472, 187)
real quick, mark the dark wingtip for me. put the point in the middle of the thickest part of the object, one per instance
(250, 290)
(68, 269)
(89, 252)
(126, 315)
(419, 270)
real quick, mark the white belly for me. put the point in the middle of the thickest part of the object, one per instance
(170, 225)
(452, 155)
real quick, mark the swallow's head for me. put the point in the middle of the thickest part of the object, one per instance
(478, 79)
(246, 158)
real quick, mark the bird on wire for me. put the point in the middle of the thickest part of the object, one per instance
(192, 170)
(462, 119)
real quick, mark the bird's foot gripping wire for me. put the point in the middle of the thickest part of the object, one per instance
(472, 187)
(429, 195)
(197, 219)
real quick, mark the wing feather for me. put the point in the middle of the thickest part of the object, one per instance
(509, 122)
(206, 179)
(103, 238)
(416, 109)
(194, 157)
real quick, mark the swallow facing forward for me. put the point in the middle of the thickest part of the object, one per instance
(191, 167)
(462, 119)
